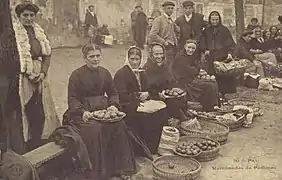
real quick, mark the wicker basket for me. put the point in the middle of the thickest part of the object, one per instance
(185, 169)
(207, 155)
(113, 120)
(220, 135)
(246, 102)
(233, 125)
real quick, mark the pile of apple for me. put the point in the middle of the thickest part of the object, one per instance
(175, 92)
(107, 114)
(204, 75)
(188, 149)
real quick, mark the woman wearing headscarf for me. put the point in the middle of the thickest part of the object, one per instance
(132, 85)
(159, 79)
(218, 45)
(258, 49)
(32, 116)
(108, 145)
(185, 69)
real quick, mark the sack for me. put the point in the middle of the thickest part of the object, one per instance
(151, 106)
(252, 81)
(232, 68)
(169, 139)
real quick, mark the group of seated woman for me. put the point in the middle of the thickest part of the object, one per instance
(91, 87)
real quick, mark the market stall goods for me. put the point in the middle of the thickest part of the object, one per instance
(204, 75)
(209, 148)
(173, 93)
(107, 115)
(210, 129)
(176, 168)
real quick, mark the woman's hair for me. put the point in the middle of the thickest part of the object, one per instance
(134, 51)
(191, 41)
(26, 6)
(215, 13)
(264, 33)
(89, 47)
(254, 19)
(247, 32)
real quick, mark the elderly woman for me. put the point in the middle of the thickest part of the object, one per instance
(185, 69)
(243, 51)
(159, 79)
(32, 116)
(132, 84)
(218, 45)
(108, 145)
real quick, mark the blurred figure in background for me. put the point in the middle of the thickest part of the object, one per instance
(140, 28)
(253, 24)
(90, 20)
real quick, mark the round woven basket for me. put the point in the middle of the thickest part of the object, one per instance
(233, 125)
(185, 169)
(220, 135)
(204, 156)
(246, 102)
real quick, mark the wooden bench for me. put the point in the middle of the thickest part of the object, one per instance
(43, 154)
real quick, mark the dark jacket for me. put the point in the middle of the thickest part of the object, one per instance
(91, 20)
(242, 50)
(185, 68)
(190, 30)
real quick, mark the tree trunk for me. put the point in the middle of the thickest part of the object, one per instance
(9, 62)
(240, 21)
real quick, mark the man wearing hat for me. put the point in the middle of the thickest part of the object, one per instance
(164, 31)
(191, 24)
(133, 16)
(90, 20)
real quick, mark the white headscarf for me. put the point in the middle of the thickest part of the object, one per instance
(136, 71)
(126, 63)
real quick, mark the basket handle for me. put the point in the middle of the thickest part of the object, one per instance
(188, 176)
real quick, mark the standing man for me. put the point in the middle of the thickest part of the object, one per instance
(141, 28)
(191, 24)
(164, 31)
(90, 20)
(133, 17)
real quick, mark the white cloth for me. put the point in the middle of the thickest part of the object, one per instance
(151, 106)
(188, 18)
(168, 18)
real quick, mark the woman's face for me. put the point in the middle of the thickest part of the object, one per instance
(190, 48)
(158, 54)
(267, 34)
(93, 58)
(214, 20)
(258, 33)
(134, 61)
(27, 17)
(273, 30)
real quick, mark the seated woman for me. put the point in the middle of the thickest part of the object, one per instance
(272, 45)
(159, 79)
(218, 45)
(243, 51)
(108, 145)
(258, 49)
(132, 84)
(185, 69)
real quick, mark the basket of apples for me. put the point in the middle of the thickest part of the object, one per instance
(204, 75)
(173, 93)
(108, 115)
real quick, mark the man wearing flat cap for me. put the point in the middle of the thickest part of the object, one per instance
(164, 31)
(90, 20)
(191, 24)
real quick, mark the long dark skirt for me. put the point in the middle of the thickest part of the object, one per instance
(149, 127)
(109, 149)
(203, 91)
(226, 84)
(36, 119)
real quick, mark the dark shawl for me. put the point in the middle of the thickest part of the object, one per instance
(159, 77)
(242, 50)
(218, 40)
(185, 68)
(128, 87)
(255, 44)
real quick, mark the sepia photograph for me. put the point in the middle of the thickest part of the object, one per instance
(140, 89)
